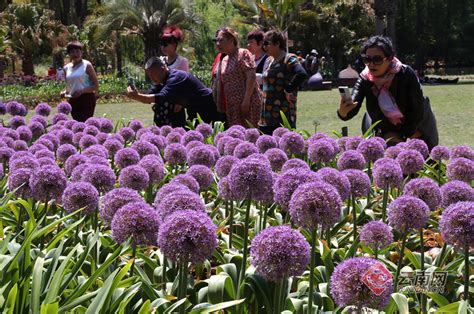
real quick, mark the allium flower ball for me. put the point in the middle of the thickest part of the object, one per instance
(65, 136)
(136, 125)
(106, 125)
(144, 148)
(456, 191)
(439, 153)
(277, 158)
(48, 183)
(230, 145)
(201, 155)
(460, 169)
(280, 252)
(19, 145)
(280, 131)
(411, 161)
(16, 122)
(294, 163)
(45, 153)
(91, 130)
(205, 129)
(64, 107)
(223, 189)
(353, 142)
(188, 181)
(408, 212)
(16, 109)
(392, 152)
(165, 130)
(462, 151)
(359, 181)
(58, 117)
(29, 162)
(265, 142)
(19, 180)
(426, 190)
(315, 204)
(348, 288)
(203, 176)
(387, 173)
(245, 149)
(180, 199)
(126, 157)
(457, 225)
(175, 154)
(292, 143)
(418, 145)
(225, 164)
(101, 176)
(78, 127)
(351, 159)
(188, 236)
(127, 133)
(5, 154)
(371, 149)
(192, 136)
(376, 235)
(321, 151)
(78, 195)
(251, 179)
(24, 133)
(153, 165)
(138, 221)
(114, 200)
(113, 146)
(3, 108)
(341, 142)
(96, 150)
(156, 140)
(336, 179)
(251, 135)
(236, 131)
(173, 137)
(87, 140)
(134, 177)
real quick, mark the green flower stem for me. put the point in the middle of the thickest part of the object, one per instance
(384, 202)
(311, 267)
(376, 253)
(278, 296)
(244, 256)
(439, 172)
(354, 218)
(466, 271)
(422, 266)
(438, 258)
(231, 223)
(134, 252)
(369, 172)
(149, 194)
(265, 214)
(163, 275)
(400, 260)
(182, 283)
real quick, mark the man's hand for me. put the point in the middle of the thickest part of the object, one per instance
(63, 94)
(346, 106)
(290, 98)
(132, 93)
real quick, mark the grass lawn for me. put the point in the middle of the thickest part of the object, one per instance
(452, 105)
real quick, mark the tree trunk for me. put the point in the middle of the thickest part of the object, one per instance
(379, 8)
(118, 53)
(151, 39)
(65, 12)
(419, 55)
(391, 21)
(447, 31)
(27, 65)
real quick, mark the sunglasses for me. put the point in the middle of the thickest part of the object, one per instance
(266, 43)
(164, 43)
(377, 60)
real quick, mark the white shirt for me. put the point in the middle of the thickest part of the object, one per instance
(77, 77)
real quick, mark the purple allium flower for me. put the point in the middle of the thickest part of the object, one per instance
(359, 181)
(225, 164)
(20, 180)
(134, 177)
(59, 117)
(136, 125)
(392, 152)
(65, 151)
(16, 109)
(351, 159)
(280, 131)
(371, 149)
(223, 189)
(126, 157)
(24, 133)
(341, 142)
(47, 183)
(315, 204)
(73, 161)
(187, 181)
(201, 155)
(203, 176)
(245, 149)
(179, 200)
(70, 124)
(87, 141)
(288, 182)
(145, 148)
(113, 146)
(154, 129)
(193, 144)
(19, 145)
(153, 165)
(114, 200)
(101, 176)
(336, 179)
(426, 190)
(439, 153)
(65, 108)
(78, 171)
(252, 135)
(294, 163)
(387, 173)
(175, 154)
(280, 252)
(45, 153)
(456, 191)
(188, 236)
(168, 188)
(43, 161)
(349, 289)
(3, 108)
(5, 154)
(65, 136)
(277, 158)
(102, 137)
(165, 130)
(457, 225)
(265, 142)
(11, 134)
(236, 131)
(91, 130)
(292, 143)
(230, 145)
(39, 119)
(462, 151)
(127, 133)
(36, 147)
(77, 138)
(321, 151)
(460, 169)
(353, 142)
(78, 127)
(29, 162)
(418, 145)
(96, 150)
(205, 129)
(138, 221)
(173, 137)
(318, 136)
(411, 161)
(78, 195)
(192, 136)
(251, 179)
(106, 125)
(156, 140)
(376, 235)
(93, 121)
(16, 122)
(408, 212)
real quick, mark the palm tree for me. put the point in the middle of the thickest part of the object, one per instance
(146, 18)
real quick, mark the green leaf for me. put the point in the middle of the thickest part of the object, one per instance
(175, 306)
(413, 259)
(78, 301)
(369, 131)
(62, 233)
(401, 301)
(450, 308)
(220, 288)
(10, 305)
(216, 307)
(438, 299)
(51, 308)
(145, 308)
(36, 285)
(285, 123)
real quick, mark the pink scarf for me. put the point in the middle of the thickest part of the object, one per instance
(381, 90)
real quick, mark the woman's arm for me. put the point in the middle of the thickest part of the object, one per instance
(348, 109)
(299, 75)
(93, 76)
(415, 107)
(250, 79)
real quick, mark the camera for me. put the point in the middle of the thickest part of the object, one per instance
(345, 93)
(131, 83)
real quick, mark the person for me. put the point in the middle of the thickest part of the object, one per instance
(51, 71)
(81, 83)
(175, 87)
(393, 95)
(311, 63)
(281, 80)
(236, 75)
(255, 46)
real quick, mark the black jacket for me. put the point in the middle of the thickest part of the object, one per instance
(408, 95)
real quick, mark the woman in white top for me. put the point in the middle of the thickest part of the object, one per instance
(173, 35)
(81, 83)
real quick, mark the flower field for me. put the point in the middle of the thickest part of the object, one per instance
(104, 217)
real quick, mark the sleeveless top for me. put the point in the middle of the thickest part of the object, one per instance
(77, 77)
(180, 63)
